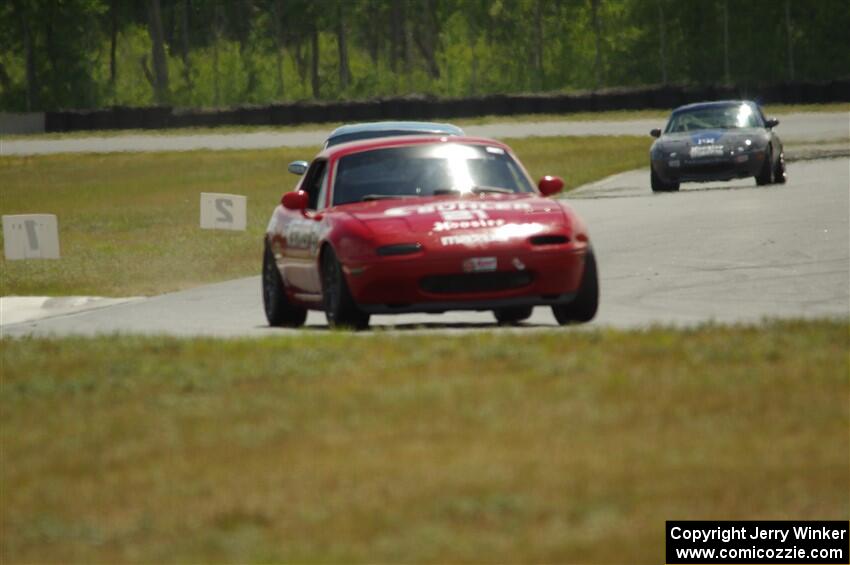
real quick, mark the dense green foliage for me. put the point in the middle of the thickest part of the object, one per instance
(92, 53)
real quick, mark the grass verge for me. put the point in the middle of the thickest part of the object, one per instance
(128, 223)
(773, 109)
(545, 447)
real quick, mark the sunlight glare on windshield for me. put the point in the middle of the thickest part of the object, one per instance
(744, 112)
(457, 156)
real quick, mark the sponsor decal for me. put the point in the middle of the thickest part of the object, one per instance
(465, 219)
(458, 206)
(302, 234)
(706, 137)
(449, 226)
(472, 238)
(706, 151)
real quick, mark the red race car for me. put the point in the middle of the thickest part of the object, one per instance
(424, 224)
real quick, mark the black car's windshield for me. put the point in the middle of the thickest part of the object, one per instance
(426, 170)
(715, 117)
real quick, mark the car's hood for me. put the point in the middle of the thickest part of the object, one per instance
(506, 216)
(729, 138)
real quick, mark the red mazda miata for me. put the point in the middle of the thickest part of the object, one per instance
(424, 224)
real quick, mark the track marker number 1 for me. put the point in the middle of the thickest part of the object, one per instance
(30, 236)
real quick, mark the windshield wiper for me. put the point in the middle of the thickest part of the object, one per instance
(493, 189)
(383, 197)
(444, 191)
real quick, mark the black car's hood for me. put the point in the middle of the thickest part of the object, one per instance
(729, 138)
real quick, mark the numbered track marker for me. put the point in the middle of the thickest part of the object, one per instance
(31, 236)
(223, 211)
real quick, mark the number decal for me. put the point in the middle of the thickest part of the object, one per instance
(223, 211)
(222, 205)
(32, 238)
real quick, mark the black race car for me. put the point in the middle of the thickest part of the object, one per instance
(716, 141)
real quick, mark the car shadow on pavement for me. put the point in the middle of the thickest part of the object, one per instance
(455, 326)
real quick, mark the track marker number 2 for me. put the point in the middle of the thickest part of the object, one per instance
(223, 211)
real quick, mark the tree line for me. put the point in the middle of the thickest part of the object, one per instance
(200, 53)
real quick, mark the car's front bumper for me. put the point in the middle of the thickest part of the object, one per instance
(721, 168)
(438, 282)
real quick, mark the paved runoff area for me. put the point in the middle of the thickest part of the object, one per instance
(723, 252)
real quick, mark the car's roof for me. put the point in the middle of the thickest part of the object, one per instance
(405, 140)
(713, 104)
(424, 127)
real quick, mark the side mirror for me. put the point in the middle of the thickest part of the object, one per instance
(655, 132)
(298, 167)
(295, 200)
(549, 185)
(771, 123)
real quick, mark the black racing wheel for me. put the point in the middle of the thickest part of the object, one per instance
(584, 305)
(279, 310)
(340, 308)
(765, 175)
(659, 185)
(779, 175)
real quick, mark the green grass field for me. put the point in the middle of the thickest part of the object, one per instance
(528, 447)
(773, 109)
(129, 223)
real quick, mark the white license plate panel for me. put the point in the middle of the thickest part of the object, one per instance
(480, 265)
(707, 151)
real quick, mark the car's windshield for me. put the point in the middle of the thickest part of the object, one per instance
(426, 170)
(372, 134)
(715, 117)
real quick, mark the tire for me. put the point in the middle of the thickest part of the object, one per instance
(512, 314)
(765, 176)
(340, 308)
(659, 185)
(584, 306)
(779, 176)
(279, 310)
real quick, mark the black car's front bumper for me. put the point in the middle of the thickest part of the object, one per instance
(705, 169)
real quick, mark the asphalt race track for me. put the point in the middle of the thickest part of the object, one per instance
(724, 252)
(794, 128)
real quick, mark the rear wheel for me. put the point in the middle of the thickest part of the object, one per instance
(584, 305)
(659, 185)
(765, 175)
(279, 310)
(340, 308)
(512, 314)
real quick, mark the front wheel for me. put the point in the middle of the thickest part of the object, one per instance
(779, 175)
(584, 305)
(765, 175)
(512, 314)
(659, 185)
(279, 310)
(340, 308)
